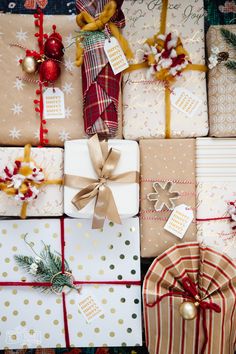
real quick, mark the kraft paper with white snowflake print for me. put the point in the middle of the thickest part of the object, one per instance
(18, 119)
(47, 200)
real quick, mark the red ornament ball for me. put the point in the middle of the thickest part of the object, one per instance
(49, 70)
(53, 48)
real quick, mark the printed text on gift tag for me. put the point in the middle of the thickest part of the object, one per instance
(115, 55)
(179, 220)
(185, 101)
(89, 307)
(53, 103)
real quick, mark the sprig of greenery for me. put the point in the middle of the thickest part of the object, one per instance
(229, 37)
(231, 64)
(44, 267)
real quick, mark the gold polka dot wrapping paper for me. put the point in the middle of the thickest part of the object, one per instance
(31, 318)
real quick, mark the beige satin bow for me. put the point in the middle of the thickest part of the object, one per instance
(104, 163)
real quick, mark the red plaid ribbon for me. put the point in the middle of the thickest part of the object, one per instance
(100, 86)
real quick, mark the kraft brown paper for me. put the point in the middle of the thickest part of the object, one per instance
(18, 120)
(163, 161)
(221, 86)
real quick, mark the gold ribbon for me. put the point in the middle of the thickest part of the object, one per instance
(11, 191)
(168, 79)
(88, 23)
(104, 163)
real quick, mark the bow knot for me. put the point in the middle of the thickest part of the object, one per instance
(104, 163)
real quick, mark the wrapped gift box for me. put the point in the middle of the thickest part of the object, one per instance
(49, 201)
(162, 162)
(216, 187)
(32, 318)
(213, 278)
(19, 121)
(144, 99)
(78, 163)
(221, 85)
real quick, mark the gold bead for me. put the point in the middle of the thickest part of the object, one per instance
(29, 65)
(188, 310)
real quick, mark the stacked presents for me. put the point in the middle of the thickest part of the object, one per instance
(111, 151)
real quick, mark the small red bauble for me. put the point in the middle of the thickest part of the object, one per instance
(53, 48)
(49, 70)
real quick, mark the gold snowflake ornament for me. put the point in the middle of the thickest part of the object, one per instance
(163, 196)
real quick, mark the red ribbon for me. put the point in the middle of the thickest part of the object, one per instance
(191, 292)
(49, 284)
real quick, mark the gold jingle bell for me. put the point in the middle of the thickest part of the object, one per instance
(188, 310)
(29, 65)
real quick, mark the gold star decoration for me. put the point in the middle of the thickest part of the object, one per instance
(163, 196)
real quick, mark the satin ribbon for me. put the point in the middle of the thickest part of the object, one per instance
(191, 292)
(168, 81)
(12, 191)
(104, 163)
(49, 284)
(88, 23)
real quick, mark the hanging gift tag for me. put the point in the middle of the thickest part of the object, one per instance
(53, 103)
(89, 306)
(179, 220)
(185, 101)
(115, 55)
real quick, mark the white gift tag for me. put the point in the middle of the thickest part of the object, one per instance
(185, 101)
(115, 55)
(53, 103)
(179, 220)
(89, 306)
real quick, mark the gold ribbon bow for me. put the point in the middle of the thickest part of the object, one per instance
(168, 79)
(11, 191)
(88, 23)
(104, 163)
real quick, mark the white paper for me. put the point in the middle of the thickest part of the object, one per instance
(78, 162)
(115, 55)
(185, 101)
(53, 103)
(179, 220)
(50, 198)
(31, 317)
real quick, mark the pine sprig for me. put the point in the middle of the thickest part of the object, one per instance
(229, 37)
(44, 267)
(231, 64)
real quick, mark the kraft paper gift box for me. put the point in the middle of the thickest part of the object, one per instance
(143, 97)
(166, 292)
(47, 199)
(216, 188)
(171, 164)
(221, 84)
(20, 123)
(33, 318)
(78, 163)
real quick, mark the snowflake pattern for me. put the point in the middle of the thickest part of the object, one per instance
(69, 64)
(67, 88)
(64, 135)
(21, 36)
(15, 133)
(68, 112)
(69, 40)
(16, 109)
(18, 84)
(36, 134)
(18, 58)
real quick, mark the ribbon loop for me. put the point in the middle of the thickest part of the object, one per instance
(104, 164)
